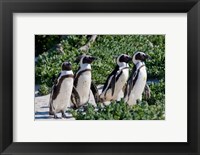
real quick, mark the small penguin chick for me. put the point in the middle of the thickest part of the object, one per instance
(137, 80)
(83, 78)
(117, 79)
(61, 91)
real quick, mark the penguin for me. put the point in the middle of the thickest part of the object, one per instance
(117, 79)
(137, 80)
(83, 79)
(61, 91)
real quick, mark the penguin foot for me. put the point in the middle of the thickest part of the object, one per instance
(118, 102)
(64, 115)
(56, 117)
(83, 108)
(54, 114)
(51, 113)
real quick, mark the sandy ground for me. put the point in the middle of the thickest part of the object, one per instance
(42, 106)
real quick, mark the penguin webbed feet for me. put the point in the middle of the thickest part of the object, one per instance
(56, 117)
(64, 115)
(117, 101)
(83, 108)
(102, 100)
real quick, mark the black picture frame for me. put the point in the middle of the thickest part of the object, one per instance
(8, 7)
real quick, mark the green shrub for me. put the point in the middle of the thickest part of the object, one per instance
(150, 109)
(106, 48)
(45, 42)
(121, 111)
(44, 89)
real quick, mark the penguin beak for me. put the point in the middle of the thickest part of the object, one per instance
(147, 57)
(89, 59)
(78, 59)
(129, 59)
(92, 59)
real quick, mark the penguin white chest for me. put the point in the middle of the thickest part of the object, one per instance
(120, 83)
(83, 86)
(136, 92)
(62, 101)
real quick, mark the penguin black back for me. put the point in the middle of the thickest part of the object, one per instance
(114, 72)
(120, 70)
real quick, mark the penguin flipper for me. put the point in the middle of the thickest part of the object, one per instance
(51, 107)
(51, 102)
(147, 91)
(113, 81)
(95, 92)
(124, 88)
(75, 98)
(131, 82)
(108, 80)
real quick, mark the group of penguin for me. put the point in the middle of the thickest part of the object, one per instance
(73, 90)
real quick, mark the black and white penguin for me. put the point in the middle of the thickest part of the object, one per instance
(61, 91)
(83, 79)
(137, 80)
(117, 79)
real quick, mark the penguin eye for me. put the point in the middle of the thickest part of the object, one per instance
(85, 60)
(121, 58)
(138, 56)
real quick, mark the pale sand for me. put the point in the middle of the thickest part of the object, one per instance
(42, 106)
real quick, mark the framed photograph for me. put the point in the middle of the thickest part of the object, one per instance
(106, 77)
(97, 71)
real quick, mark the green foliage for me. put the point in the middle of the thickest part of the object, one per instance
(45, 42)
(121, 111)
(150, 109)
(157, 93)
(44, 89)
(106, 48)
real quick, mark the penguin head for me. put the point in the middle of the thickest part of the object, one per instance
(85, 59)
(139, 57)
(66, 66)
(88, 59)
(122, 59)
